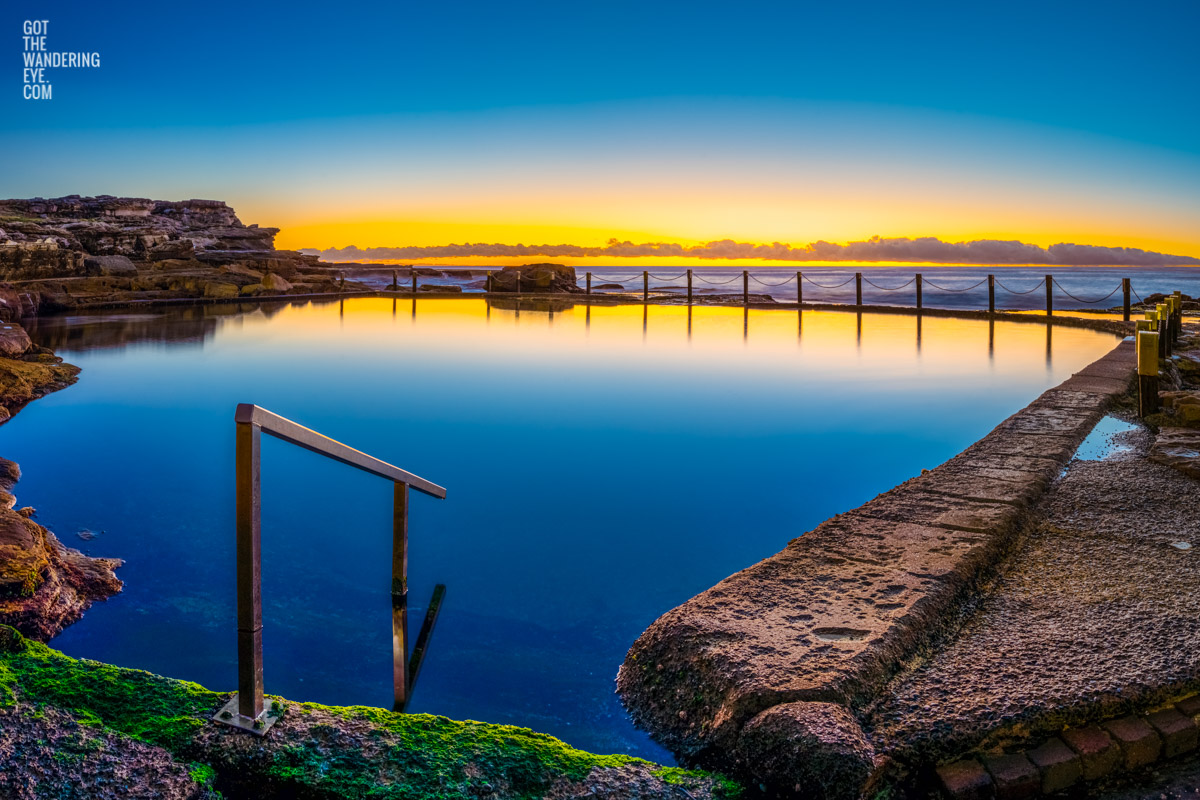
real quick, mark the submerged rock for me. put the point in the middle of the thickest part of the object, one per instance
(44, 585)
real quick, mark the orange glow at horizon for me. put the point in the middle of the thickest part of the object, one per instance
(421, 233)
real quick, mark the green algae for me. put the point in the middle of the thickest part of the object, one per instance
(339, 752)
(157, 710)
(687, 778)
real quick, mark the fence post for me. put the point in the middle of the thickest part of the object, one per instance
(518, 285)
(858, 289)
(249, 570)
(689, 276)
(490, 284)
(589, 284)
(918, 291)
(991, 294)
(799, 288)
(341, 281)
(1125, 292)
(1164, 326)
(1177, 296)
(396, 285)
(400, 683)
(645, 286)
(414, 280)
(745, 287)
(1049, 295)
(1147, 368)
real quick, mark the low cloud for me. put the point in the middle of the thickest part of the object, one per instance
(923, 249)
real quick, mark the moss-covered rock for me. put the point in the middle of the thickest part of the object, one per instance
(318, 751)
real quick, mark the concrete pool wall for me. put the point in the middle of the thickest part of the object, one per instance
(761, 674)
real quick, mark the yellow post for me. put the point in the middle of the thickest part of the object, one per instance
(1164, 329)
(1147, 370)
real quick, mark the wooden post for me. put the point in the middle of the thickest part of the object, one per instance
(1125, 293)
(490, 283)
(341, 281)
(991, 294)
(249, 570)
(1049, 295)
(400, 682)
(518, 287)
(1164, 329)
(689, 277)
(589, 284)
(799, 288)
(1178, 300)
(645, 287)
(858, 289)
(745, 287)
(395, 282)
(1147, 369)
(918, 295)
(414, 280)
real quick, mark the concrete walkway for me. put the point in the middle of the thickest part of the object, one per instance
(1095, 615)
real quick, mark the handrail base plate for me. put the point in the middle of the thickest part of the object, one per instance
(228, 715)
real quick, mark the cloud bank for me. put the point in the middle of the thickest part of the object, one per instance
(923, 249)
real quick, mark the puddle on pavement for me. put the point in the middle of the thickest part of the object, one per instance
(1106, 440)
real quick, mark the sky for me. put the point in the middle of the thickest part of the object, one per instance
(396, 130)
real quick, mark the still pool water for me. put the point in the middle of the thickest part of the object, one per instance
(602, 467)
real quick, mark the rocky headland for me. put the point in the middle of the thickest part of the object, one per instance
(75, 252)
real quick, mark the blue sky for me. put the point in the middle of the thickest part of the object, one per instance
(1122, 69)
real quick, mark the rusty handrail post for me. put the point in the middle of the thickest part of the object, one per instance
(400, 595)
(245, 710)
(249, 569)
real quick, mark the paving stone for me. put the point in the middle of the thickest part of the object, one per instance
(1059, 765)
(965, 780)
(1178, 732)
(1190, 707)
(1140, 744)
(1015, 776)
(1098, 752)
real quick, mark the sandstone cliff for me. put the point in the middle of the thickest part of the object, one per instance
(69, 252)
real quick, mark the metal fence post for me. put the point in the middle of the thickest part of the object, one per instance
(249, 569)
(1125, 292)
(1049, 295)
(918, 291)
(689, 277)
(745, 287)
(645, 286)
(858, 289)
(991, 294)
(414, 280)
(589, 284)
(799, 288)
(400, 595)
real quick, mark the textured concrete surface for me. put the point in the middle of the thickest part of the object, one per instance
(831, 618)
(1096, 614)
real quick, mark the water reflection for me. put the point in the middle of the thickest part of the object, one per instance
(578, 456)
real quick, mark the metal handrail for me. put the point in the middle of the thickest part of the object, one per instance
(283, 428)
(245, 710)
